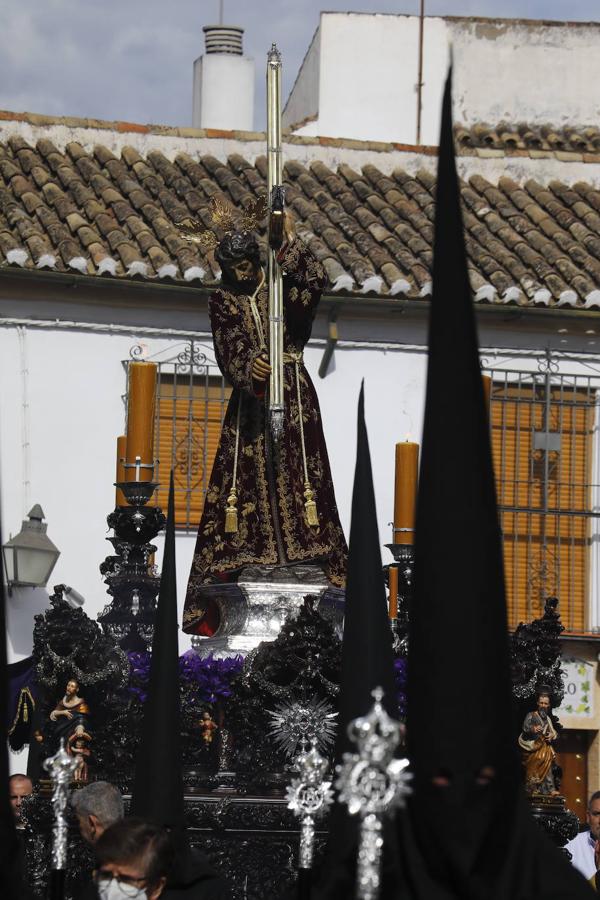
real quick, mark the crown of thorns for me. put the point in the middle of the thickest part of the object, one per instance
(225, 218)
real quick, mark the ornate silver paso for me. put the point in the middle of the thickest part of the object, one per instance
(372, 783)
(308, 797)
(60, 767)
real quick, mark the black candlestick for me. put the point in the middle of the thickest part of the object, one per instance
(131, 581)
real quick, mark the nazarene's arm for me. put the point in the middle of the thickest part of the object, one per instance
(235, 346)
(304, 279)
(301, 267)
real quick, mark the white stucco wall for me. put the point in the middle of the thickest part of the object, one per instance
(223, 92)
(73, 386)
(303, 101)
(516, 71)
(535, 72)
(72, 381)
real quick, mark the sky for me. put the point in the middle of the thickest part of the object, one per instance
(131, 60)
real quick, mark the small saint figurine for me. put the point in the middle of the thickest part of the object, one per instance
(78, 748)
(537, 753)
(70, 716)
(207, 728)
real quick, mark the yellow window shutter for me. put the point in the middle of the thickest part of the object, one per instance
(189, 419)
(542, 457)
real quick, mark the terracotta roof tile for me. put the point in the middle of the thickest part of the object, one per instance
(109, 213)
(564, 142)
(97, 252)
(128, 252)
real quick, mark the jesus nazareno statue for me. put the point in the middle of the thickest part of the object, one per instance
(266, 504)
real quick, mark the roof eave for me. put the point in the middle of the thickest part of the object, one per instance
(373, 305)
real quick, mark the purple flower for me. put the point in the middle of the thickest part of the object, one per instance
(205, 680)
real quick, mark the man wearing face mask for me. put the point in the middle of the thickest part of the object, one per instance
(265, 505)
(134, 859)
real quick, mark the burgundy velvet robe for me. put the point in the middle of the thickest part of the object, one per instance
(272, 527)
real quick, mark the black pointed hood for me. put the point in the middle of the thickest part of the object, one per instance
(458, 657)
(367, 656)
(467, 832)
(158, 785)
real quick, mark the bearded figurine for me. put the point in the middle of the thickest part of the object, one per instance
(537, 752)
(71, 713)
(268, 503)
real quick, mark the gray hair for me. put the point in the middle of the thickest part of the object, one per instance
(100, 799)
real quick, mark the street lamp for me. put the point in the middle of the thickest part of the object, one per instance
(30, 555)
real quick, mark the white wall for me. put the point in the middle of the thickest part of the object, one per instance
(223, 92)
(507, 70)
(73, 387)
(525, 71)
(303, 101)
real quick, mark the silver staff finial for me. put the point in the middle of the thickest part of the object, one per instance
(308, 797)
(274, 54)
(61, 768)
(372, 783)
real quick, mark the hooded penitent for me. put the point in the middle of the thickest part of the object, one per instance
(468, 832)
(158, 785)
(367, 658)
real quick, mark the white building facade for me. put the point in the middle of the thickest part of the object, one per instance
(360, 76)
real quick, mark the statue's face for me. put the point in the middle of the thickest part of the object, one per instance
(72, 688)
(244, 272)
(543, 703)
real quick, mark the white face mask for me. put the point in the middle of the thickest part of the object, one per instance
(115, 890)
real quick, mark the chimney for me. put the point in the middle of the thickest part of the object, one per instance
(223, 82)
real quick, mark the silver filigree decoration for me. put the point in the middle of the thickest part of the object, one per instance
(371, 783)
(61, 768)
(308, 797)
(295, 726)
(276, 425)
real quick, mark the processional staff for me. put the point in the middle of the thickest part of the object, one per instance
(274, 275)
(61, 768)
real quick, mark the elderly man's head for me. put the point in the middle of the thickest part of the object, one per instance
(97, 807)
(19, 787)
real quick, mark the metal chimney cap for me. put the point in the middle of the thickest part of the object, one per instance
(223, 39)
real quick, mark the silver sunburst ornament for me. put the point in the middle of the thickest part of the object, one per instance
(298, 725)
(371, 783)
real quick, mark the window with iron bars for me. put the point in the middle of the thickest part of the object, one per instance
(544, 428)
(192, 397)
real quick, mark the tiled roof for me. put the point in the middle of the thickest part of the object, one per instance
(93, 212)
(567, 144)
